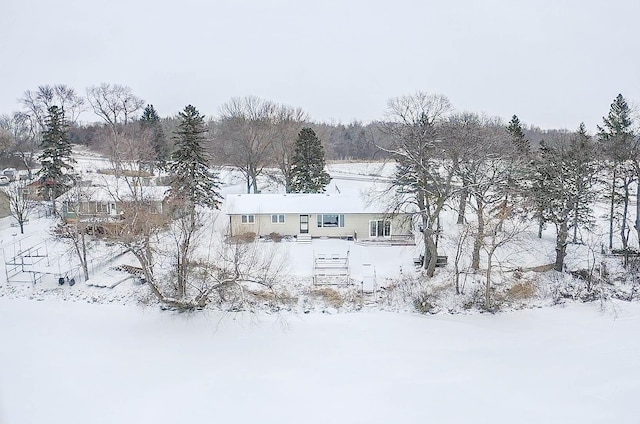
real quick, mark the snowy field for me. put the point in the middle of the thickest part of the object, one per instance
(64, 362)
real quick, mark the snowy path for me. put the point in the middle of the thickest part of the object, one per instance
(78, 363)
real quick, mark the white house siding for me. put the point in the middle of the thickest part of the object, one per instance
(353, 224)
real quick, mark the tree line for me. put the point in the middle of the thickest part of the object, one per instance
(250, 133)
(465, 161)
(496, 176)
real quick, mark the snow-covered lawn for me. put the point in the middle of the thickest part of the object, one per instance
(71, 362)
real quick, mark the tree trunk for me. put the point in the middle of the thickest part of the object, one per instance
(540, 227)
(562, 233)
(637, 223)
(80, 246)
(575, 223)
(505, 203)
(613, 196)
(479, 240)
(462, 206)
(26, 164)
(85, 267)
(624, 234)
(287, 183)
(459, 249)
(425, 240)
(432, 249)
(144, 259)
(576, 206)
(487, 288)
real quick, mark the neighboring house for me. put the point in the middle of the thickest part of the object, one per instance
(314, 215)
(109, 202)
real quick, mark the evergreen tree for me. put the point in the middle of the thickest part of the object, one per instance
(55, 158)
(520, 142)
(616, 141)
(150, 121)
(308, 174)
(616, 132)
(562, 186)
(584, 167)
(192, 181)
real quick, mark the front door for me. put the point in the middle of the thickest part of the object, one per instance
(304, 224)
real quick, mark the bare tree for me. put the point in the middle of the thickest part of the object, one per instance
(246, 136)
(37, 102)
(20, 204)
(75, 223)
(22, 134)
(502, 228)
(461, 245)
(214, 271)
(423, 176)
(488, 180)
(6, 141)
(117, 106)
(136, 157)
(469, 139)
(287, 124)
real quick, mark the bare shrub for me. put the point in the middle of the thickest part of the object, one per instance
(521, 291)
(276, 237)
(248, 237)
(403, 291)
(273, 297)
(425, 303)
(329, 295)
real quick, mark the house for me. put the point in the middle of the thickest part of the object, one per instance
(106, 202)
(306, 215)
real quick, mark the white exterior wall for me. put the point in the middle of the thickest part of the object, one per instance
(353, 223)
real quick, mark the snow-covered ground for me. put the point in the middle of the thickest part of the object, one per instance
(92, 353)
(63, 362)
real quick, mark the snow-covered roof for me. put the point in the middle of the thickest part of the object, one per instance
(302, 203)
(119, 192)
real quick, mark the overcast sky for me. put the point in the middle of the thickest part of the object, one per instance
(553, 63)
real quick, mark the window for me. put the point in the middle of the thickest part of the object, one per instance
(101, 207)
(248, 219)
(330, 220)
(277, 219)
(380, 228)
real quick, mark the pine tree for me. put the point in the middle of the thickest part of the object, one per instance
(520, 142)
(150, 121)
(584, 169)
(562, 187)
(308, 174)
(192, 181)
(616, 138)
(616, 132)
(55, 158)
